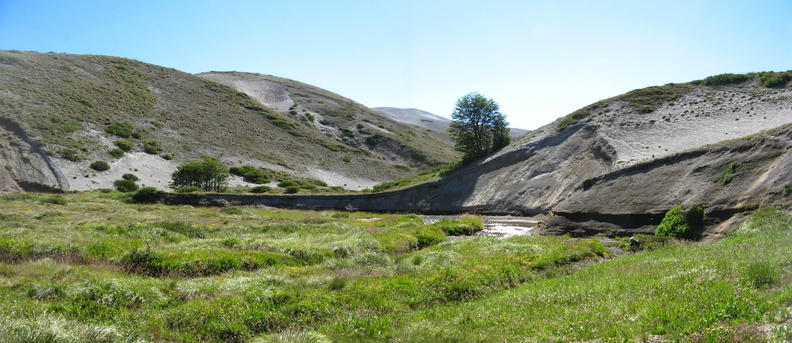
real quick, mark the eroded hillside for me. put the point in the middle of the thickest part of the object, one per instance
(75, 109)
(639, 153)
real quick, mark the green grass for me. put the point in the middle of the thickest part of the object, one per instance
(94, 268)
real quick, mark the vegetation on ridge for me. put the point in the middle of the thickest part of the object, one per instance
(647, 100)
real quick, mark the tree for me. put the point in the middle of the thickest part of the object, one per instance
(210, 175)
(477, 126)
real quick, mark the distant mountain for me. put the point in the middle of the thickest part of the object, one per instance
(416, 117)
(426, 119)
(60, 113)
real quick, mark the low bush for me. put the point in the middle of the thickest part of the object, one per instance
(772, 80)
(761, 274)
(233, 211)
(147, 195)
(726, 79)
(131, 177)
(250, 174)
(460, 227)
(728, 174)
(183, 228)
(292, 189)
(261, 189)
(288, 183)
(116, 153)
(645, 109)
(100, 166)
(123, 130)
(70, 154)
(151, 148)
(55, 200)
(189, 189)
(680, 222)
(125, 186)
(143, 261)
(124, 145)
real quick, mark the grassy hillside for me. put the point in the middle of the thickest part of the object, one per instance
(78, 106)
(352, 124)
(88, 267)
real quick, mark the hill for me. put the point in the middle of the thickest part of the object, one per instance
(618, 165)
(427, 119)
(61, 112)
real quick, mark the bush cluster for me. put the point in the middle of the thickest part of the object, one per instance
(116, 153)
(125, 186)
(70, 154)
(726, 79)
(100, 166)
(771, 80)
(147, 195)
(124, 145)
(123, 130)
(250, 174)
(680, 222)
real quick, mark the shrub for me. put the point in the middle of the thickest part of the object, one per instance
(147, 195)
(70, 154)
(726, 79)
(123, 130)
(760, 274)
(183, 228)
(55, 200)
(728, 174)
(337, 284)
(131, 177)
(151, 147)
(125, 186)
(100, 166)
(144, 261)
(124, 145)
(681, 223)
(771, 80)
(188, 189)
(288, 183)
(292, 189)
(373, 140)
(261, 189)
(645, 109)
(116, 153)
(233, 211)
(250, 174)
(461, 227)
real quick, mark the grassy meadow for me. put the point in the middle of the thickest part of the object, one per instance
(92, 267)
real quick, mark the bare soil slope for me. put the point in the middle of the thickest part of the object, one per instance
(616, 166)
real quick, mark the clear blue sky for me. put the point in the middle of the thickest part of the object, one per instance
(539, 60)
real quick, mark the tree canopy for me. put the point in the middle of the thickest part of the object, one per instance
(210, 175)
(477, 126)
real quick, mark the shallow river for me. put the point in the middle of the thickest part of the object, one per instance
(496, 226)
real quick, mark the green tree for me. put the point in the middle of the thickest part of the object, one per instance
(210, 175)
(477, 126)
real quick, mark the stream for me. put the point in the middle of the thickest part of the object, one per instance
(495, 226)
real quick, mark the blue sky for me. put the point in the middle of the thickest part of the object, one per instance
(539, 60)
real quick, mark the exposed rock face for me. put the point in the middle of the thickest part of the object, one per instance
(22, 163)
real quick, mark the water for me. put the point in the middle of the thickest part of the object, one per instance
(496, 226)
